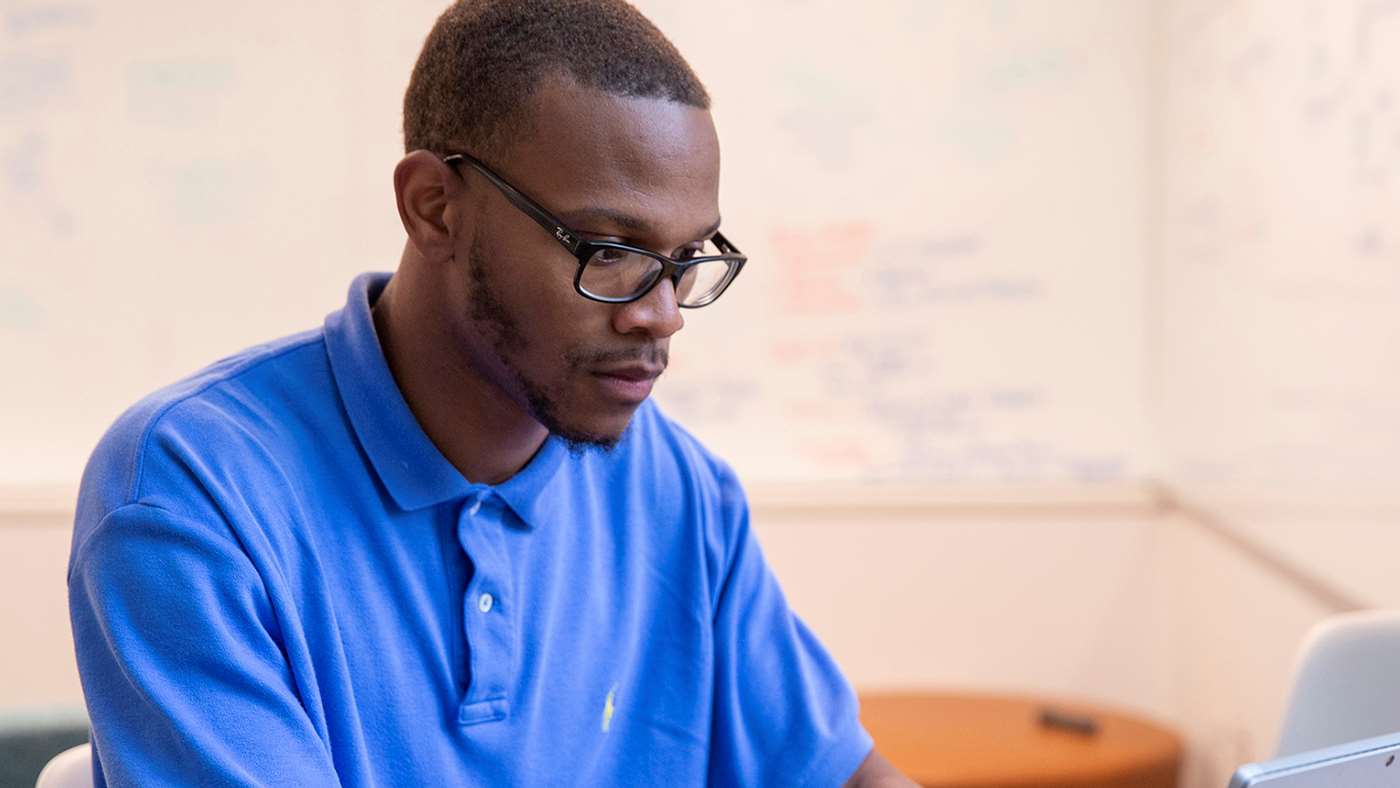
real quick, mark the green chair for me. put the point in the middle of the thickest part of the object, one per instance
(30, 738)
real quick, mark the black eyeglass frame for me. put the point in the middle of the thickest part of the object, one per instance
(583, 249)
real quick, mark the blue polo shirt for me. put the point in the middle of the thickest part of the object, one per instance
(277, 579)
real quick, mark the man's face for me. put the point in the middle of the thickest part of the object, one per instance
(635, 170)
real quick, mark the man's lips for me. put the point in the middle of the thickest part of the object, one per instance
(629, 384)
(634, 372)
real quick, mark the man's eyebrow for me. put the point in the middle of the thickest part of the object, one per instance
(589, 218)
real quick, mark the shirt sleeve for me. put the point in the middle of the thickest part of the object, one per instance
(783, 712)
(179, 654)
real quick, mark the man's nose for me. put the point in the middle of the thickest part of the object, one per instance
(655, 314)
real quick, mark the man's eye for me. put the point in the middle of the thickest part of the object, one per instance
(687, 253)
(606, 256)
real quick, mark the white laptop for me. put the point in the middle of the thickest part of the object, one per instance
(1369, 763)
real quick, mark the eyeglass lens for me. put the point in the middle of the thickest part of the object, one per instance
(617, 273)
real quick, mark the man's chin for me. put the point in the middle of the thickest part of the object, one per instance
(601, 434)
(580, 443)
(582, 420)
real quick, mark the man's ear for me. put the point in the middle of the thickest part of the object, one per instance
(425, 188)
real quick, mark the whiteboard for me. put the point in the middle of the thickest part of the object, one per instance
(1280, 337)
(945, 206)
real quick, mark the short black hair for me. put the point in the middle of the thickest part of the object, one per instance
(484, 58)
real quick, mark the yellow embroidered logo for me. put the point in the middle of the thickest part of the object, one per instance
(609, 708)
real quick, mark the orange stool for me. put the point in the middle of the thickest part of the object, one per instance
(957, 740)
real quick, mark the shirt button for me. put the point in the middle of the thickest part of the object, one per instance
(484, 603)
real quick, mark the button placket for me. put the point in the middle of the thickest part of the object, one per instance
(486, 624)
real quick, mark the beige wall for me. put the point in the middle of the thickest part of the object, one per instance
(1055, 605)
(36, 667)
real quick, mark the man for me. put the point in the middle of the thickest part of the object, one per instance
(445, 539)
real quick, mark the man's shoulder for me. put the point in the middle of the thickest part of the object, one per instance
(659, 434)
(235, 402)
(683, 472)
(689, 485)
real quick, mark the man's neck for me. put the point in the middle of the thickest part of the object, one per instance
(486, 435)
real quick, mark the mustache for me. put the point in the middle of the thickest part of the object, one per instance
(651, 355)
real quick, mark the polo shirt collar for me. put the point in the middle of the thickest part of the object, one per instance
(410, 466)
(529, 493)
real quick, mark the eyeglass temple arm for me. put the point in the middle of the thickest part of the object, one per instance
(531, 208)
(724, 245)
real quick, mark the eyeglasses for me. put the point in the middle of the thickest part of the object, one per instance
(617, 273)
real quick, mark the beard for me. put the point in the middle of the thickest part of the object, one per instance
(501, 328)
